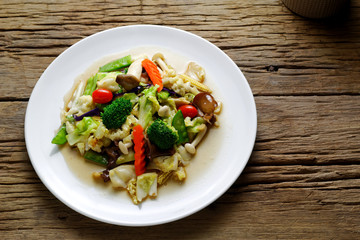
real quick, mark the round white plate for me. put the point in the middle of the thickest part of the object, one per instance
(238, 127)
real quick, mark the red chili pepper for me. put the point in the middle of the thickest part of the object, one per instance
(139, 149)
(153, 72)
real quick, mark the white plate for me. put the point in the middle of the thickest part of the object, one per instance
(238, 127)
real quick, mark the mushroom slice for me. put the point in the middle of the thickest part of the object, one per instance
(127, 81)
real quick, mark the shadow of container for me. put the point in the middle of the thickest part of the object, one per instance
(317, 8)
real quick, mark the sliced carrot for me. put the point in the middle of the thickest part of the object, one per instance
(139, 149)
(153, 72)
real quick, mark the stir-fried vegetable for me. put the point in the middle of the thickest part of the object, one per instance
(121, 175)
(91, 83)
(142, 126)
(115, 114)
(197, 84)
(179, 124)
(162, 135)
(163, 95)
(102, 96)
(92, 112)
(139, 150)
(188, 110)
(194, 126)
(83, 130)
(116, 64)
(60, 137)
(153, 73)
(148, 105)
(96, 157)
(146, 185)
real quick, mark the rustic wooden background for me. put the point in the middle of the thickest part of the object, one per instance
(303, 178)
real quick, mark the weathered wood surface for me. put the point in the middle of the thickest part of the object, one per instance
(303, 178)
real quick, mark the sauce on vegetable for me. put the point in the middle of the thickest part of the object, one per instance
(206, 151)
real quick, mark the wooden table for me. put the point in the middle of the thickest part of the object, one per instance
(303, 178)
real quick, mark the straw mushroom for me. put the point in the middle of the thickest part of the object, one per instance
(205, 102)
(127, 81)
(135, 68)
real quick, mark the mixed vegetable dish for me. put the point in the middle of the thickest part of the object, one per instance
(140, 120)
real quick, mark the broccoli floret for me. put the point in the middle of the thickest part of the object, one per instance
(162, 135)
(115, 114)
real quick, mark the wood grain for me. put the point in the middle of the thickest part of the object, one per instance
(303, 178)
(313, 57)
